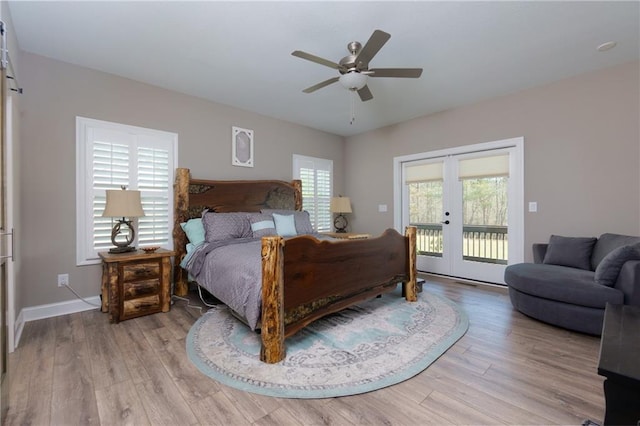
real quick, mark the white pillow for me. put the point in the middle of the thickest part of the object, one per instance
(285, 225)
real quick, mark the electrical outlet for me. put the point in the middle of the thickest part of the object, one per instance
(63, 280)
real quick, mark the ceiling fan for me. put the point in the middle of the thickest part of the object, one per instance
(354, 68)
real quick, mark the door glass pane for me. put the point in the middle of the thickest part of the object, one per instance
(425, 213)
(484, 232)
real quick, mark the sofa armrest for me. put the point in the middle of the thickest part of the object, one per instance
(539, 250)
(628, 282)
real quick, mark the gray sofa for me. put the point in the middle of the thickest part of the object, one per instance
(572, 279)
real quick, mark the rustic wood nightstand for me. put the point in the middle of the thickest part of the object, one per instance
(136, 283)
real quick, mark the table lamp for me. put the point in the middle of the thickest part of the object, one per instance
(123, 204)
(340, 205)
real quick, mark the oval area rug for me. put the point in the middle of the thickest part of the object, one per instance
(377, 343)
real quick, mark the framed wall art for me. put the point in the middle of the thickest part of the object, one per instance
(241, 147)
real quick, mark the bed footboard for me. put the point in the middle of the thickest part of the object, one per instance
(304, 279)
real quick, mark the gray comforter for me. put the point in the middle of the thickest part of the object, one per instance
(231, 270)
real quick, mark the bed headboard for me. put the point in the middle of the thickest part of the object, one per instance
(192, 196)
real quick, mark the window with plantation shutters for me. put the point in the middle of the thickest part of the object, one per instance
(155, 180)
(109, 156)
(316, 175)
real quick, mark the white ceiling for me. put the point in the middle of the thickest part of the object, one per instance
(239, 53)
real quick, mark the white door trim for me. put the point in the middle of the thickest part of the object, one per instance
(10, 200)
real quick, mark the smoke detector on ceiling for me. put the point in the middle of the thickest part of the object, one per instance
(606, 46)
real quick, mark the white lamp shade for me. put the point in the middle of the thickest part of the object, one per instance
(353, 80)
(123, 203)
(340, 205)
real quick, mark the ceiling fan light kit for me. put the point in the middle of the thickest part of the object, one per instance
(353, 80)
(354, 68)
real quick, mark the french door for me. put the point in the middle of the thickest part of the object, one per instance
(467, 206)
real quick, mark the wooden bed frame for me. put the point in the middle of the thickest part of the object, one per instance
(303, 278)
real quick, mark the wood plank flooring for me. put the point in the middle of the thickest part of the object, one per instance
(508, 369)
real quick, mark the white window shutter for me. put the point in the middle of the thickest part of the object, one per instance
(316, 175)
(153, 183)
(324, 183)
(110, 162)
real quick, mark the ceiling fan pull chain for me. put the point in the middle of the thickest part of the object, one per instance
(353, 106)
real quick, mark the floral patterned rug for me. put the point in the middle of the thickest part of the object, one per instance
(375, 344)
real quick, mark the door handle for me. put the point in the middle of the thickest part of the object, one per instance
(446, 222)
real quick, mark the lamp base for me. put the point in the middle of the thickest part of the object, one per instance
(340, 223)
(117, 250)
(129, 237)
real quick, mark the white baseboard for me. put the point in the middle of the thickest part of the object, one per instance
(56, 309)
(17, 331)
(52, 310)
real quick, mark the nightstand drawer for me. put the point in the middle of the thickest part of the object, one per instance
(132, 290)
(140, 306)
(140, 271)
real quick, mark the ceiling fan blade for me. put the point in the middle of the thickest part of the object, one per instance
(396, 72)
(320, 85)
(365, 94)
(316, 59)
(374, 44)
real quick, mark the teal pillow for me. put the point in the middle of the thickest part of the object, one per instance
(301, 218)
(194, 230)
(285, 225)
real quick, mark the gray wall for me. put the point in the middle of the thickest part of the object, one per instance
(581, 154)
(56, 92)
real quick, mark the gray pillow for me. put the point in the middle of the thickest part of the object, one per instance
(609, 268)
(607, 243)
(302, 219)
(262, 225)
(570, 251)
(225, 226)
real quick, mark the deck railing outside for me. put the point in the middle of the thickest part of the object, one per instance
(480, 243)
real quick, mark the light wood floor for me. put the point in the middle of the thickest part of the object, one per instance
(507, 369)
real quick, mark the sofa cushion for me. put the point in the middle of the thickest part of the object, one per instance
(573, 317)
(609, 268)
(627, 282)
(570, 251)
(539, 251)
(607, 243)
(561, 283)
